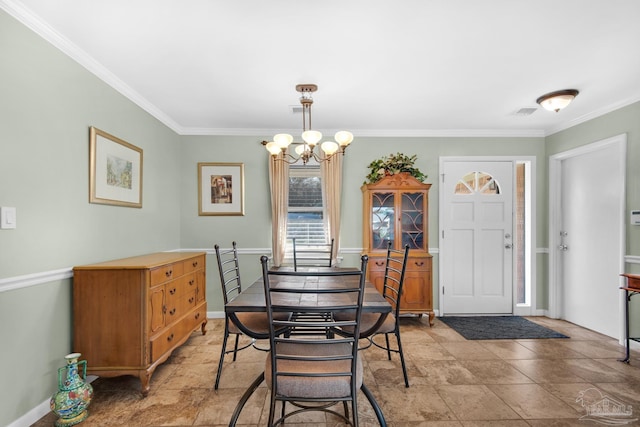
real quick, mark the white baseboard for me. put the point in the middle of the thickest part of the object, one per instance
(32, 416)
(39, 411)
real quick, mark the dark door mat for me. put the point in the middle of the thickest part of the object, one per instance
(498, 328)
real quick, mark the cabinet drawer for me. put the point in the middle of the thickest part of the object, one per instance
(377, 264)
(168, 339)
(166, 273)
(419, 264)
(184, 303)
(165, 342)
(198, 316)
(193, 264)
(181, 297)
(190, 282)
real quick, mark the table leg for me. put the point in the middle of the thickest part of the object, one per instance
(626, 326)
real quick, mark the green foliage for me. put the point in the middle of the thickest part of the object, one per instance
(391, 165)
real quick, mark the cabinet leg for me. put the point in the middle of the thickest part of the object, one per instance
(145, 383)
(432, 315)
(204, 327)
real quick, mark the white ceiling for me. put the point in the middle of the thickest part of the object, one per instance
(383, 67)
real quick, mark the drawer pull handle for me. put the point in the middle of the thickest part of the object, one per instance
(170, 338)
(191, 300)
(197, 316)
(172, 311)
(168, 273)
(164, 309)
(419, 263)
(195, 264)
(379, 263)
(191, 282)
(172, 291)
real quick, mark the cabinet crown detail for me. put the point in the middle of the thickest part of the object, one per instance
(398, 180)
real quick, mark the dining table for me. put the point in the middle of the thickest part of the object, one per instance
(252, 299)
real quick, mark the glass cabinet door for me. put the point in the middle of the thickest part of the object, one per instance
(383, 215)
(412, 224)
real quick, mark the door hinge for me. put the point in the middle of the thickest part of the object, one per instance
(442, 175)
(443, 290)
(443, 234)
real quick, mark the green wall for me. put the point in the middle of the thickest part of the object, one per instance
(48, 102)
(253, 231)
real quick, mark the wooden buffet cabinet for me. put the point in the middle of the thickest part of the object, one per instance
(396, 209)
(130, 314)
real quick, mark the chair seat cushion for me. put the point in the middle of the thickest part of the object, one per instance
(314, 387)
(368, 321)
(256, 322)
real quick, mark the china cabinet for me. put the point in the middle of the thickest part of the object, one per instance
(396, 209)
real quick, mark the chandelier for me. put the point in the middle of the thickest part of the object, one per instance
(305, 150)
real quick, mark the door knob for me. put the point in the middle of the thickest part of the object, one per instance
(508, 246)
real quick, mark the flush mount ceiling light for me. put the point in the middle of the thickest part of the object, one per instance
(305, 150)
(556, 101)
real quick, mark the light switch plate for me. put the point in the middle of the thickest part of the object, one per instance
(7, 218)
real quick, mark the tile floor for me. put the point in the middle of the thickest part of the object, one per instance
(454, 382)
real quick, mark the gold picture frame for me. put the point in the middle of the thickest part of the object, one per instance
(115, 170)
(220, 189)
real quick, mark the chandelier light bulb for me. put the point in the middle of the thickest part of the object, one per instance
(311, 137)
(283, 140)
(344, 138)
(302, 148)
(329, 147)
(273, 148)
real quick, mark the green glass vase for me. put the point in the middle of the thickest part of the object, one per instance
(74, 394)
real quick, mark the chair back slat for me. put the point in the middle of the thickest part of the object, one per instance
(313, 367)
(229, 269)
(318, 255)
(394, 274)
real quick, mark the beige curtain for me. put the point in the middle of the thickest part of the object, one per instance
(279, 185)
(331, 174)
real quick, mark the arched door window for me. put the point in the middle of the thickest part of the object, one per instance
(477, 182)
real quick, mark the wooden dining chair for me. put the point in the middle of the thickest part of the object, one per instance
(396, 265)
(254, 325)
(314, 373)
(316, 255)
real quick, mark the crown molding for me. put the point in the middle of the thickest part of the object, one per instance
(390, 133)
(44, 30)
(590, 116)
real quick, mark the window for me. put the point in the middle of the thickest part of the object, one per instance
(305, 213)
(477, 182)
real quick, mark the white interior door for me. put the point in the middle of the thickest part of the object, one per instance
(590, 238)
(476, 242)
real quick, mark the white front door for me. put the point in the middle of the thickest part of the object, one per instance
(476, 238)
(590, 236)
